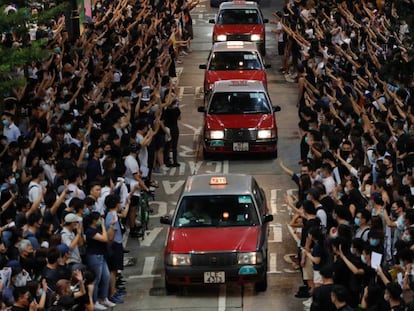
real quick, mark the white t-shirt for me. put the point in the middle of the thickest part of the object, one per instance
(142, 155)
(131, 168)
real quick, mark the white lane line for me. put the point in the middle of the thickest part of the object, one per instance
(273, 200)
(151, 236)
(222, 298)
(273, 264)
(147, 270)
(225, 166)
(277, 233)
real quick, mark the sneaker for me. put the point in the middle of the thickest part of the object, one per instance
(307, 303)
(115, 300)
(176, 164)
(120, 293)
(184, 53)
(179, 61)
(99, 307)
(108, 303)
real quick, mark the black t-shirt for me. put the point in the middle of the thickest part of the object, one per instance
(307, 225)
(15, 308)
(94, 247)
(322, 299)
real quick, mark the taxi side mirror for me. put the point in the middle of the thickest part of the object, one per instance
(212, 21)
(202, 66)
(165, 220)
(265, 20)
(267, 66)
(201, 109)
(267, 218)
(276, 108)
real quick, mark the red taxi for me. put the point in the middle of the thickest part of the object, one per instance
(240, 21)
(218, 233)
(239, 118)
(233, 60)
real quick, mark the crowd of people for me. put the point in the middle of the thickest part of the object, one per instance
(354, 211)
(88, 133)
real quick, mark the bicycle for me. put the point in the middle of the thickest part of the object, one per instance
(144, 211)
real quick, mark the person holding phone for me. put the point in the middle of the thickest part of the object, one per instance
(97, 239)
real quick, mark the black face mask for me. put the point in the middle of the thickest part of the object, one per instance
(345, 154)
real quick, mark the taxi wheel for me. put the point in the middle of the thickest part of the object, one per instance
(206, 155)
(171, 289)
(261, 286)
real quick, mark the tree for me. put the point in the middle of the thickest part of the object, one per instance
(17, 48)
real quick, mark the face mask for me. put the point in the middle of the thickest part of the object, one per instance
(308, 197)
(12, 181)
(363, 259)
(65, 92)
(373, 212)
(374, 242)
(306, 139)
(407, 238)
(346, 190)
(57, 50)
(402, 264)
(386, 297)
(352, 250)
(6, 122)
(99, 223)
(68, 127)
(357, 222)
(40, 292)
(344, 154)
(86, 212)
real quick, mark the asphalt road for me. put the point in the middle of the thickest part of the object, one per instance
(145, 278)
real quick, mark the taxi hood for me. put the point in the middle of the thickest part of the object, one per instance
(211, 239)
(217, 75)
(220, 121)
(238, 29)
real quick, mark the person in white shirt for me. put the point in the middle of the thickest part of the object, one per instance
(134, 181)
(10, 130)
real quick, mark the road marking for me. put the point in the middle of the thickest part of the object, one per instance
(225, 166)
(161, 209)
(222, 298)
(148, 239)
(171, 187)
(273, 201)
(147, 270)
(273, 264)
(277, 233)
(293, 234)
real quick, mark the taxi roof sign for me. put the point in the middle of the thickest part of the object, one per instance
(218, 180)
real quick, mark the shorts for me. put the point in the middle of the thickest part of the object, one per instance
(317, 279)
(115, 258)
(159, 140)
(307, 270)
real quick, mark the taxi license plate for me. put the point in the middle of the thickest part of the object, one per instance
(214, 277)
(240, 146)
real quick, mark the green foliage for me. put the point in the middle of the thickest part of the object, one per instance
(13, 59)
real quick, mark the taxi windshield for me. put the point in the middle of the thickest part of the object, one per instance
(216, 211)
(238, 16)
(235, 61)
(239, 103)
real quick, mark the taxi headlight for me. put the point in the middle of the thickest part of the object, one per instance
(265, 134)
(255, 37)
(251, 258)
(222, 38)
(179, 259)
(215, 134)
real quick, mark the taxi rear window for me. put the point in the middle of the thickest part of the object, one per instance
(216, 211)
(238, 16)
(235, 61)
(239, 103)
